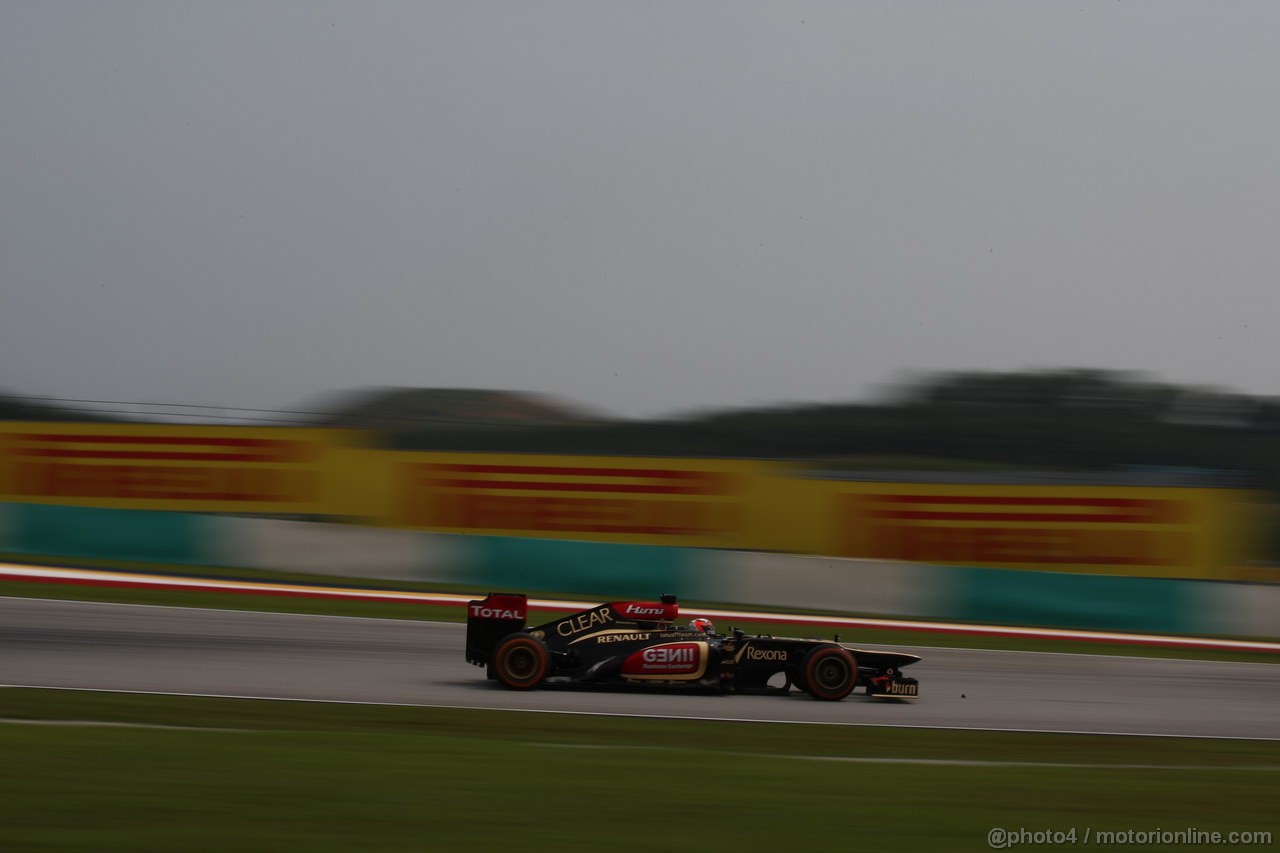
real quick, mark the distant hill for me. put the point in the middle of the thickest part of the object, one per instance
(405, 408)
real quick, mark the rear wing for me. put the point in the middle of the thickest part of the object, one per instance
(492, 618)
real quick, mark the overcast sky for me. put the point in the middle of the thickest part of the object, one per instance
(645, 207)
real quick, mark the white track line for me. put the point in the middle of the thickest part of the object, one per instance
(928, 762)
(460, 625)
(703, 719)
(272, 613)
(841, 759)
(111, 724)
(93, 577)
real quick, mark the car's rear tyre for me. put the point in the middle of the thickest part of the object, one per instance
(828, 673)
(520, 661)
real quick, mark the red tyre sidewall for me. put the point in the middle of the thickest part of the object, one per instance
(815, 658)
(524, 641)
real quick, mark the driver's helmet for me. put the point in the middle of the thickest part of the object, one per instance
(703, 626)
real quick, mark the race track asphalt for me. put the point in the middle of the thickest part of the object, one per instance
(270, 655)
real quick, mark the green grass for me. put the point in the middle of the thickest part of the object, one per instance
(297, 776)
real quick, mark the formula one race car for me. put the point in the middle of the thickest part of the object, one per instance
(637, 643)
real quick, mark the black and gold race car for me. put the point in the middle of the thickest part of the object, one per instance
(639, 644)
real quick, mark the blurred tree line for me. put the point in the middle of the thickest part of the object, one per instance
(1065, 420)
(17, 407)
(1029, 426)
(1056, 420)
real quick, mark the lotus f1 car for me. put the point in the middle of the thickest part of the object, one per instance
(638, 644)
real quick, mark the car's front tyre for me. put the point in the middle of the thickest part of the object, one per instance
(828, 673)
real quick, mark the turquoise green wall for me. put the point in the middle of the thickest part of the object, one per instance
(1092, 602)
(109, 534)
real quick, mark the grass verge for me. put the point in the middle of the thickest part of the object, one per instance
(259, 775)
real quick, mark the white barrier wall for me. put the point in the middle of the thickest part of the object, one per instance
(827, 583)
(329, 549)
(1243, 609)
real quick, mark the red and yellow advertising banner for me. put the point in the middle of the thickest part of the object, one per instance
(1164, 532)
(704, 503)
(149, 466)
(692, 502)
